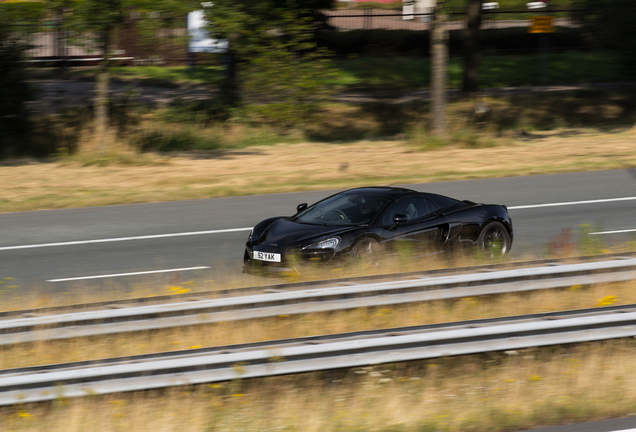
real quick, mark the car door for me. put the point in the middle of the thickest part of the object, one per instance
(421, 234)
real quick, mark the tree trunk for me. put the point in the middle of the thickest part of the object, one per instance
(101, 99)
(439, 72)
(230, 91)
(101, 109)
(471, 47)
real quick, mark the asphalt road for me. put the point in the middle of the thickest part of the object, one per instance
(96, 247)
(615, 425)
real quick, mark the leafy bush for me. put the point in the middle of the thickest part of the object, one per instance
(176, 141)
(22, 12)
(199, 112)
(284, 90)
(277, 74)
(124, 112)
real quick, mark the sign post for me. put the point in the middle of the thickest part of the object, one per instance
(542, 25)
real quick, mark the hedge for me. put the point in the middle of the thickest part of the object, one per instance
(405, 42)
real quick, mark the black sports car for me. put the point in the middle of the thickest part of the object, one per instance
(364, 224)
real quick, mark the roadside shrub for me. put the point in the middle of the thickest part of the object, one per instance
(124, 112)
(176, 141)
(283, 90)
(199, 112)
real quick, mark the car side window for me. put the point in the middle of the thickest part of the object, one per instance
(441, 202)
(413, 207)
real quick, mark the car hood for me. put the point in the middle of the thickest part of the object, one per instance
(284, 233)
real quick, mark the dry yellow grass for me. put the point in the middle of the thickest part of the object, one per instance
(30, 185)
(494, 392)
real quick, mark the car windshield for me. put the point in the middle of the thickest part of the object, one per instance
(344, 209)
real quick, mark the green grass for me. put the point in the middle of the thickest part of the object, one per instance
(151, 75)
(180, 74)
(409, 72)
(496, 70)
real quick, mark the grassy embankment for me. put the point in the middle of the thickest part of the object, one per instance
(377, 140)
(370, 140)
(36, 185)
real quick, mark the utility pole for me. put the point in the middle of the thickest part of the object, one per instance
(439, 70)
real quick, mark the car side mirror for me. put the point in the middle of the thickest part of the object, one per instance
(397, 220)
(301, 207)
(400, 218)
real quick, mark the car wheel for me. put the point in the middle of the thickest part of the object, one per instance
(367, 253)
(494, 240)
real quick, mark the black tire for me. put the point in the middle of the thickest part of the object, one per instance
(366, 253)
(494, 240)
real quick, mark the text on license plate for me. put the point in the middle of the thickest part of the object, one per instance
(267, 256)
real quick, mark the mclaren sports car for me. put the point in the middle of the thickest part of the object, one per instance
(364, 225)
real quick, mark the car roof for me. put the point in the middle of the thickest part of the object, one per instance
(389, 192)
(382, 191)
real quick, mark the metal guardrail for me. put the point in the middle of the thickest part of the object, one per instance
(312, 354)
(151, 317)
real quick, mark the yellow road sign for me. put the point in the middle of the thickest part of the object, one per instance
(542, 24)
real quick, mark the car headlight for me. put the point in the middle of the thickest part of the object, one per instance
(249, 237)
(330, 243)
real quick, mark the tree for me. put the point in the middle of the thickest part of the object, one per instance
(611, 24)
(471, 47)
(100, 18)
(439, 72)
(15, 90)
(278, 75)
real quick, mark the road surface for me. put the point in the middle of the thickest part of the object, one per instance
(204, 239)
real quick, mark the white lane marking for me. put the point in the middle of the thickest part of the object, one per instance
(127, 274)
(614, 232)
(571, 203)
(81, 242)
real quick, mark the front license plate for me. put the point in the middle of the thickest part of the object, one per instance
(266, 256)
